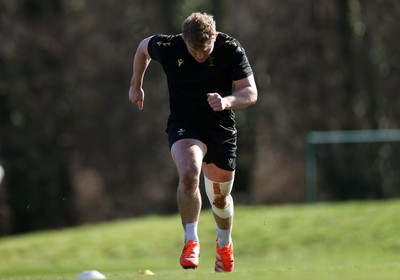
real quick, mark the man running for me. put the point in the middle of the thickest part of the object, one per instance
(208, 76)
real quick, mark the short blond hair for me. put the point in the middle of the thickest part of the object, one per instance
(199, 30)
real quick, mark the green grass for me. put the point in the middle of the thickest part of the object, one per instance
(320, 241)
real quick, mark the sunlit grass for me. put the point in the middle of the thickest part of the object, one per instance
(320, 241)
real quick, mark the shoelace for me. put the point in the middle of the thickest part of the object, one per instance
(225, 255)
(188, 250)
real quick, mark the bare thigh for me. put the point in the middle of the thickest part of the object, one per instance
(216, 174)
(188, 156)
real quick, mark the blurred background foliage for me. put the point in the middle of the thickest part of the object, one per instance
(75, 150)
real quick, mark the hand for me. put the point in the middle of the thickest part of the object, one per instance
(136, 96)
(216, 101)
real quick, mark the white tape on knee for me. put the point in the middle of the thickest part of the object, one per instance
(215, 190)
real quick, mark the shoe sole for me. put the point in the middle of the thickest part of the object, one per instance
(189, 267)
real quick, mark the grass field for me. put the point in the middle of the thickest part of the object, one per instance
(354, 240)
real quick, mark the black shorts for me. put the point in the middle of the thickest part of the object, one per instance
(221, 144)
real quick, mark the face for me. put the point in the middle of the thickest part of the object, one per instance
(200, 55)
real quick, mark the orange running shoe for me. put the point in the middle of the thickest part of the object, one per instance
(224, 261)
(190, 255)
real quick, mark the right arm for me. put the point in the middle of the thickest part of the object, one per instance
(140, 63)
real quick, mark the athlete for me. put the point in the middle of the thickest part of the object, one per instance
(208, 76)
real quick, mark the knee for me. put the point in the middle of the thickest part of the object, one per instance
(223, 206)
(219, 195)
(222, 202)
(189, 178)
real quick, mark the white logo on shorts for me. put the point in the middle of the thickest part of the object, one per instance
(181, 131)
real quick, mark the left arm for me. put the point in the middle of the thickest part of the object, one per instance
(244, 95)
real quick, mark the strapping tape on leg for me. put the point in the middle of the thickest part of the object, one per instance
(218, 189)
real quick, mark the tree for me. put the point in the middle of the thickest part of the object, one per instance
(34, 119)
(76, 151)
